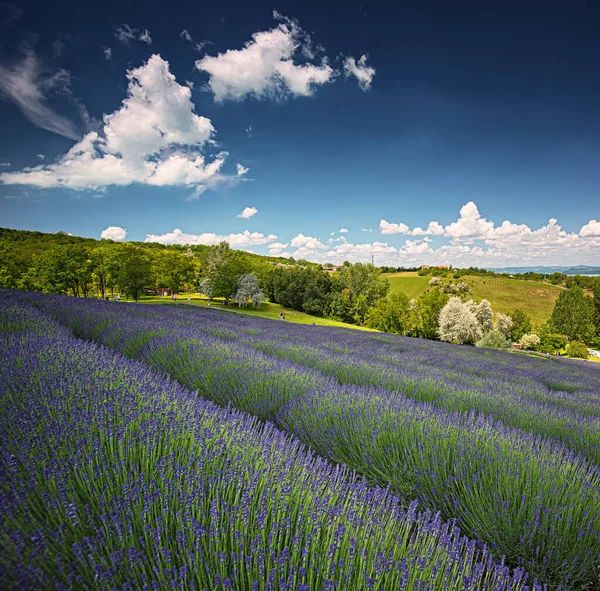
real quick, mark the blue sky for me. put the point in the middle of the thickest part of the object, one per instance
(464, 135)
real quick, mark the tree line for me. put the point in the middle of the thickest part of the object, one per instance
(353, 293)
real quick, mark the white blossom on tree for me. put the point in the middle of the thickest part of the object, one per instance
(485, 316)
(435, 281)
(458, 322)
(248, 291)
(504, 324)
(207, 288)
(529, 340)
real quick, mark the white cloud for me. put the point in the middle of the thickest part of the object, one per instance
(366, 229)
(390, 228)
(107, 51)
(343, 231)
(470, 240)
(249, 130)
(363, 73)
(40, 156)
(470, 224)
(433, 229)
(246, 238)
(4, 163)
(28, 85)
(125, 33)
(154, 138)
(308, 242)
(241, 170)
(416, 247)
(145, 37)
(114, 233)
(247, 212)
(198, 45)
(277, 249)
(265, 67)
(591, 229)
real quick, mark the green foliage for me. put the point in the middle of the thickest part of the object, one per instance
(596, 288)
(551, 343)
(494, 339)
(521, 324)
(428, 309)
(391, 314)
(173, 269)
(364, 279)
(573, 315)
(135, 273)
(577, 349)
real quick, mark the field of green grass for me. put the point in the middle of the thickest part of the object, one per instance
(408, 282)
(267, 310)
(533, 297)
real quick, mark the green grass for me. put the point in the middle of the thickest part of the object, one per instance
(267, 310)
(408, 282)
(533, 297)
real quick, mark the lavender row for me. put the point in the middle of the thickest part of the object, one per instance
(529, 498)
(114, 477)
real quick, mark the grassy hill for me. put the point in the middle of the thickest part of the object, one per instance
(533, 297)
(409, 282)
(267, 310)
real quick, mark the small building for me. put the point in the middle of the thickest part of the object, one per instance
(424, 267)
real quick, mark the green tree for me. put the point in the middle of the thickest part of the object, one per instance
(222, 267)
(363, 279)
(429, 306)
(494, 339)
(574, 315)
(521, 324)
(577, 349)
(596, 288)
(173, 269)
(390, 314)
(135, 273)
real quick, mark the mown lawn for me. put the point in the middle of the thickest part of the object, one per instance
(267, 310)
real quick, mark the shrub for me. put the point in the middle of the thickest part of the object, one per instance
(577, 349)
(529, 340)
(494, 339)
(435, 281)
(458, 322)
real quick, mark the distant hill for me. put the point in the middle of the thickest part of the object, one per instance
(577, 270)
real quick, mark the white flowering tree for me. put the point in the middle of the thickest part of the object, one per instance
(529, 340)
(458, 322)
(504, 324)
(207, 288)
(248, 291)
(485, 316)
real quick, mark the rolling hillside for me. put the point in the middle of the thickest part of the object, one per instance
(535, 298)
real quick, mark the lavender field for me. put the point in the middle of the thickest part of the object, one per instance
(178, 447)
